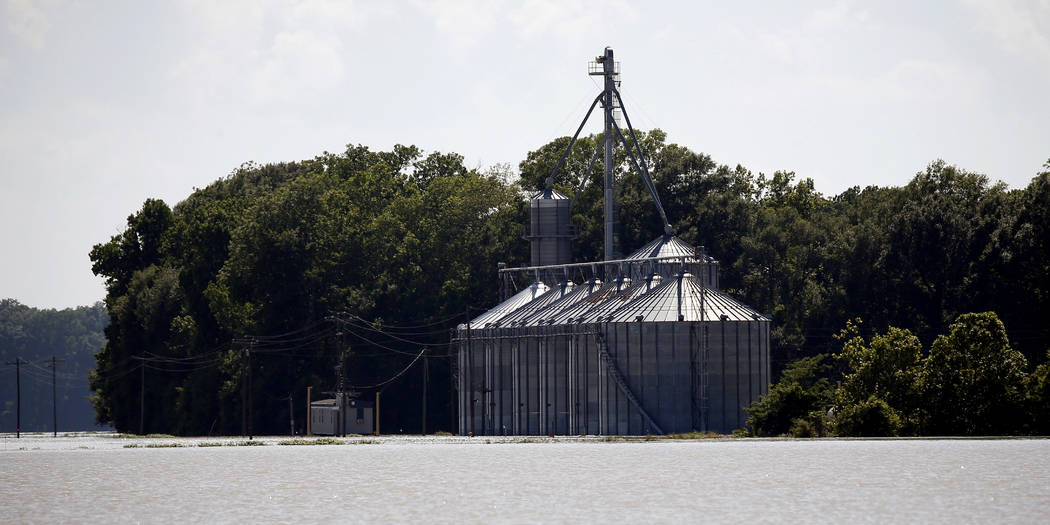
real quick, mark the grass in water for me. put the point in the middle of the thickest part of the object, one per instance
(695, 435)
(318, 441)
(363, 442)
(248, 443)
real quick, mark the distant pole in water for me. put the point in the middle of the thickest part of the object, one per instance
(291, 416)
(250, 345)
(470, 373)
(309, 412)
(244, 408)
(452, 408)
(426, 376)
(18, 396)
(377, 411)
(54, 396)
(142, 396)
(142, 390)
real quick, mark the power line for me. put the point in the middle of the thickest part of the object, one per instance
(395, 376)
(47, 369)
(370, 327)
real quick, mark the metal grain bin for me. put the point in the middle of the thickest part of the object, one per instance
(550, 231)
(656, 354)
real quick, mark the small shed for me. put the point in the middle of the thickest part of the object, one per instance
(330, 417)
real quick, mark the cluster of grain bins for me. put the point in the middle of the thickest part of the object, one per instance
(656, 348)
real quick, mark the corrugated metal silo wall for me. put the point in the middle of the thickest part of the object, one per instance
(551, 226)
(552, 380)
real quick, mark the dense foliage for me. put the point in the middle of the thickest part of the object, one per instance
(410, 239)
(971, 383)
(395, 236)
(35, 336)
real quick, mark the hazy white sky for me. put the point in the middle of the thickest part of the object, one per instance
(104, 104)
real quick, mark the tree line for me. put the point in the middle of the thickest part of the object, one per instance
(403, 239)
(34, 336)
(970, 382)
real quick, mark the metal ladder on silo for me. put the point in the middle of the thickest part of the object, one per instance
(621, 382)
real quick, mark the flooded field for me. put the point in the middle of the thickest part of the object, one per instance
(106, 478)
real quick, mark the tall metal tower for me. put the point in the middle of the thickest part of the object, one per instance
(607, 67)
(612, 104)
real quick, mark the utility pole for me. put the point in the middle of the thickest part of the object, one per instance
(340, 398)
(309, 411)
(251, 344)
(246, 387)
(451, 390)
(291, 416)
(470, 373)
(377, 410)
(244, 406)
(426, 376)
(54, 396)
(142, 390)
(142, 396)
(18, 396)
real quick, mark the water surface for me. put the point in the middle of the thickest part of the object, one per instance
(457, 480)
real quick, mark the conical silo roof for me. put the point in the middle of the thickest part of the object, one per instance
(548, 194)
(664, 246)
(571, 313)
(512, 303)
(578, 294)
(684, 298)
(634, 292)
(553, 295)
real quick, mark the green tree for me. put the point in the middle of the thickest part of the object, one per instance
(1037, 393)
(973, 381)
(870, 417)
(797, 403)
(940, 209)
(879, 393)
(1012, 270)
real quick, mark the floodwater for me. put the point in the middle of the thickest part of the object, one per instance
(97, 479)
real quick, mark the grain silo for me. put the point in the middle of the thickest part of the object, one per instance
(646, 344)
